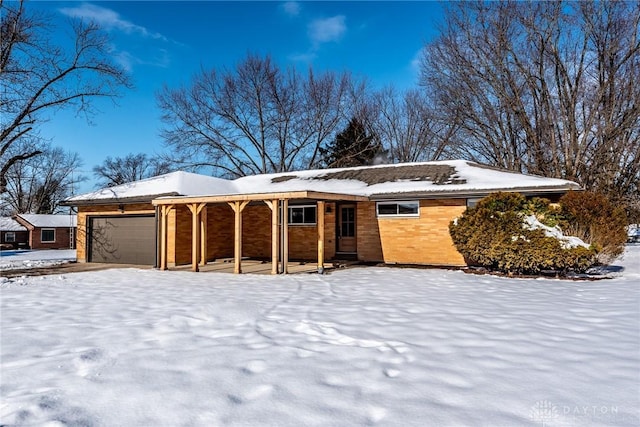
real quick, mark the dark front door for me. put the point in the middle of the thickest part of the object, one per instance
(123, 240)
(347, 228)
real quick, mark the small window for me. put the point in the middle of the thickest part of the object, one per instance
(471, 203)
(10, 237)
(411, 208)
(302, 214)
(47, 235)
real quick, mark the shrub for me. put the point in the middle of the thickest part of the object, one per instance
(493, 234)
(594, 219)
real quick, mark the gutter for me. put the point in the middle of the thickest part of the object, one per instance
(531, 191)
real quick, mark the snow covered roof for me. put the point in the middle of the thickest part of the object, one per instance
(402, 180)
(10, 224)
(383, 181)
(170, 184)
(53, 221)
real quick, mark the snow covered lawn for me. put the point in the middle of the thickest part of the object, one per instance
(364, 346)
(19, 259)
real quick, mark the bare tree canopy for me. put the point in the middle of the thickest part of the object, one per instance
(256, 118)
(38, 77)
(550, 88)
(132, 167)
(38, 184)
(407, 127)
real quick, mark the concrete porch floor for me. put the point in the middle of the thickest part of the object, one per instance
(252, 266)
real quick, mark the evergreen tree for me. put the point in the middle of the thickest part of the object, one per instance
(354, 146)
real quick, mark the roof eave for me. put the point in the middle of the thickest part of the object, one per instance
(315, 195)
(116, 200)
(475, 193)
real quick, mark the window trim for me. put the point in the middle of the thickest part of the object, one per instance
(397, 214)
(42, 230)
(299, 224)
(11, 239)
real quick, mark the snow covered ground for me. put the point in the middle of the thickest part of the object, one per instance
(19, 259)
(363, 346)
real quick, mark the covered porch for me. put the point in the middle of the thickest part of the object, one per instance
(275, 228)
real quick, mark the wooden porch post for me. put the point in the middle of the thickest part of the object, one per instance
(164, 226)
(320, 219)
(238, 207)
(285, 235)
(195, 234)
(203, 236)
(273, 205)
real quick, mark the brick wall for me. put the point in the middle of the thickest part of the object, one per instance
(179, 233)
(62, 237)
(368, 233)
(220, 223)
(303, 239)
(21, 239)
(421, 240)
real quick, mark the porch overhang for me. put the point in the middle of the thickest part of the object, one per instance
(278, 202)
(251, 197)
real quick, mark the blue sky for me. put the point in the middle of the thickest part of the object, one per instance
(166, 42)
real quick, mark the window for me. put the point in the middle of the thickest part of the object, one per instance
(47, 235)
(302, 214)
(10, 237)
(471, 203)
(411, 208)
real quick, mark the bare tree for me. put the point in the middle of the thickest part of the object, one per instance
(408, 128)
(132, 167)
(39, 184)
(255, 118)
(38, 77)
(550, 88)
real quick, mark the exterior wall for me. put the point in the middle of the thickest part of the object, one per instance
(62, 238)
(220, 223)
(102, 210)
(256, 234)
(180, 228)
(21, 240)
(303, 239)
(422, 240)
(256, 231)
(412, 240)
(368, 233)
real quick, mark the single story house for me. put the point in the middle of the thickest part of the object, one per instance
(49, 231)
(388, 213)
(12, 234)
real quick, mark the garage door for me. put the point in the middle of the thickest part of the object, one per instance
(123, 240)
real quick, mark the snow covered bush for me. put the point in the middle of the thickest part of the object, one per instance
(506, 232)
(594, 219)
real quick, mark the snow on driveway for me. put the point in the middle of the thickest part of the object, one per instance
(19, 259)
(363, 346)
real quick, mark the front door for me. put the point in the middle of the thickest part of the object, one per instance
(347, 228)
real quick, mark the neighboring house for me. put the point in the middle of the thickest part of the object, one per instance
(49, 231)
(388, 213)
(12, 234)
(633, 233)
